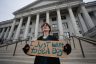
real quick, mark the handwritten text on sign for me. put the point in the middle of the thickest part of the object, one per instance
(47, 48)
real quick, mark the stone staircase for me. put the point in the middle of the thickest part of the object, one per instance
(6, 54)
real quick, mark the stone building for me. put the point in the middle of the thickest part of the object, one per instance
(66, 17)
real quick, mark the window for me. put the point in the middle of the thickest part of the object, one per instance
(63, 17)
(29, 30)
(23, 24)
(30, 23)
(12, 34)
(20, 38)
(1, 30)
(54, 26)
(5, 29)
(21, 31)
(80, 32)
(44, 20)
(91, 13)
(28, 37)
(56, 35)
(77, 22)
(40, 33)
(66, 34)
(65, 25)
(54, 19)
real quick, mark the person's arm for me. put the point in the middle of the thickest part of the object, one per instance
(67, 48)
(27, 47)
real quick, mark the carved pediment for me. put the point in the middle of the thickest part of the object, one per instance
(36, 4)
(40, 3)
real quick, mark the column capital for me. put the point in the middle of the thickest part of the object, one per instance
(21, 17)
(14, 18)
(47, 10)
(69, 6)
(37, 13)
(29, 15)
(58, 9)
(82, 4)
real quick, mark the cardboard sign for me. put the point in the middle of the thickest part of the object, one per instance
(47, 48)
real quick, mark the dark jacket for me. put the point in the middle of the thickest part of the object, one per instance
(47, 60)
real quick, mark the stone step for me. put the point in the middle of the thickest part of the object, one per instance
(76, 63)
(27, 62)
(31, 60)
(20, 47)
(79, 50)
(32, 57)
(22, 58)
(74, 58)
(73, 51)
(75, 55)
(8, 61)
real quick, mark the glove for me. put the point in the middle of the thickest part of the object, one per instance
(26, 48)
(67, 48)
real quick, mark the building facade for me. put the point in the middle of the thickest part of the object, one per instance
(66, 17)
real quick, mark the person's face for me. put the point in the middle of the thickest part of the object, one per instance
(45, 28)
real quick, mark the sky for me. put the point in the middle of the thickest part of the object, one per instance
(7, 7)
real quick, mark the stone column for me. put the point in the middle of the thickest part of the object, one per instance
(27, 27)
(18, 29)
(74, 22)
(11, 30)
(87, 17)
(2, 33)
(82, 23)
(6, 33)
(60, 26)
(36, 26)
(47, 17)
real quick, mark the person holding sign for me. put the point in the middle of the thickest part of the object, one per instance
(46, 29)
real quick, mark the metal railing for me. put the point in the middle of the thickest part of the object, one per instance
(93, 42)
(13, 42)
(90, 30)
(77, 37)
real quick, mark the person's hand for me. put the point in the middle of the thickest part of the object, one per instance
(26, 48)
(67, 49)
